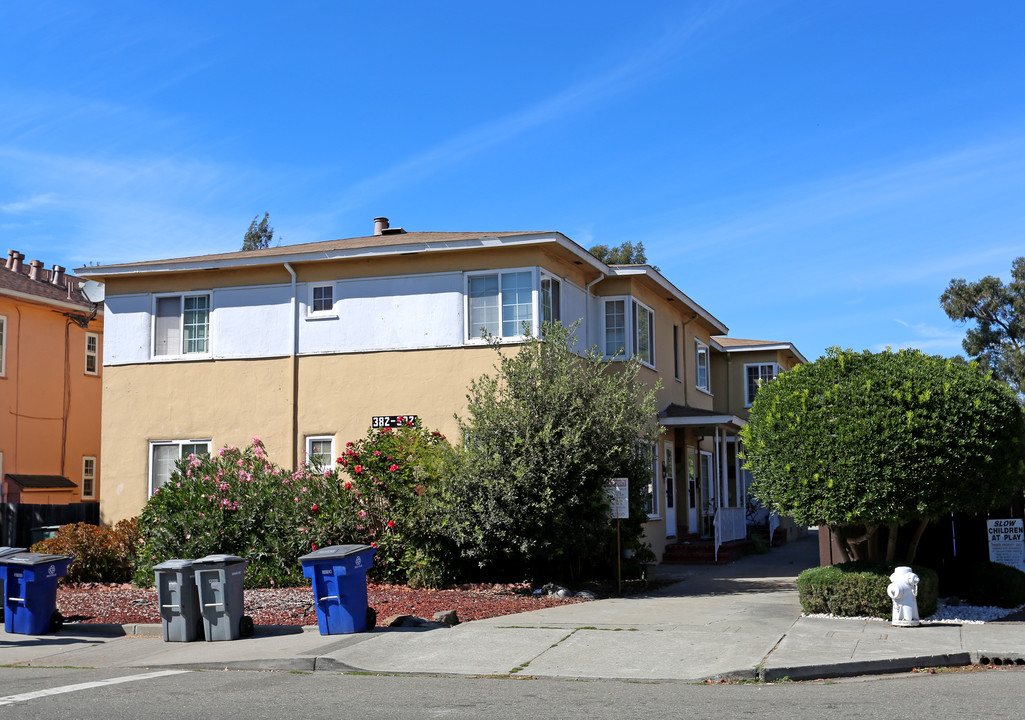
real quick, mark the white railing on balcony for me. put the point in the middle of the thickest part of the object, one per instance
(730, 524)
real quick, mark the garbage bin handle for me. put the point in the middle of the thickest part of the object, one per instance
(171, 606)
(213, 605)
(329, 597)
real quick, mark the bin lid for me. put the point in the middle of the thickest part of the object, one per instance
(334, 552)
(33, 559)
(219, 560)
(173, 564)
(5, 551)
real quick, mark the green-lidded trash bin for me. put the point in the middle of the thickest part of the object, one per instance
(339, 577)
(30, 603)
(219, 581)
(178, 600)
(4, 552)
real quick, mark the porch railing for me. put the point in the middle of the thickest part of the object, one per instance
(730, 524)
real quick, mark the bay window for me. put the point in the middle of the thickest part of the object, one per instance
(625, 319)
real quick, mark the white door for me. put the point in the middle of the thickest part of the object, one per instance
(669, 483)
(692, 492)
(708, 487)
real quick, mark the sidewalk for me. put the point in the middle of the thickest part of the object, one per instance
(740, 621)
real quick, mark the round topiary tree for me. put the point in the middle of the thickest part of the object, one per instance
(859, 441)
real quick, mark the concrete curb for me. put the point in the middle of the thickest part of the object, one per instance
(882, 666)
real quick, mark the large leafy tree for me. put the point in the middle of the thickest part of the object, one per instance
(259, 234)
(543, 435)
(860, 441)
(999, 339)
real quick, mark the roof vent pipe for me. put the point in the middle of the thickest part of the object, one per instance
(19, 258)
(57, 276)
(10, 258)
(35, 268)
(380, 225)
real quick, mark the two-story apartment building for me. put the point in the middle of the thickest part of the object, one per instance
(51, 340)
(307, 345)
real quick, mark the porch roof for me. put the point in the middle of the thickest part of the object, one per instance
(41, 481)
(682, 416)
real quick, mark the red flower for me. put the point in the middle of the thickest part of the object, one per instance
(313, 546)
(347, 485)
(358, 469)
(314, 508)
(393, 468)
(391, 523)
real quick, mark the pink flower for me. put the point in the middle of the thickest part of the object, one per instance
(358, 469)
(377, 453)
(362, 514)
(220, 452)
(393, 468)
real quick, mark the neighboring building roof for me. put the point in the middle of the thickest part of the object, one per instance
(20, 285)
(681, 415)
(41, 481)
(394, 242)
(727, 344)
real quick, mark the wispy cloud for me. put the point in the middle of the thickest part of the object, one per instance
(928, 338)
(32, 203)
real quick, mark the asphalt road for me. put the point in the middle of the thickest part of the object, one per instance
(68, 693)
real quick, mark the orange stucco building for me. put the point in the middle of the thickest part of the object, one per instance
(51, 343)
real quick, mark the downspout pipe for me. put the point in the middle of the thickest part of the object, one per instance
(295, 368)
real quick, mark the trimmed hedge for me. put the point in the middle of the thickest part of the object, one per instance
(986, 583)
(859, 589)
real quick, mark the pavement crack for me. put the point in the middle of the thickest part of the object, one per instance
(520, 668)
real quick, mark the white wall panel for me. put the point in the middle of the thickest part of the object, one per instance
(126, 329)
(251, 322)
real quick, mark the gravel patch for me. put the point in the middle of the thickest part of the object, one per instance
(948, 614)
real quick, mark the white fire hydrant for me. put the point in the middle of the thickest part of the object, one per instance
(903, 590)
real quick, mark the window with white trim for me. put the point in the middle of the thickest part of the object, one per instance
(626, 319)
(322, 300)
(756, 375)
(500, 304)
(551, 299)
(701, 362)
(88, 486)
(3, 345)
(320, 451)
(165, 454)
(92, 354)
(181, 325)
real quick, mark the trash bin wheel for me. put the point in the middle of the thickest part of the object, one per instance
(56, 621)
(245, 626)
(371, 619)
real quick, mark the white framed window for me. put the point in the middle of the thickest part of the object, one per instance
(92, 354)
(627, 320)
(181, 325)
(756, 375)
(88, 478)
(500, 304)
(164, 454)
(322, 300)
(701, 366)
(3, 345)
(551, 299)
(320, 451)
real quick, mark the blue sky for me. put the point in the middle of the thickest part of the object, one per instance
(807, 171)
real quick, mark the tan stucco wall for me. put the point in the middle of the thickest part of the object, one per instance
(228, 402)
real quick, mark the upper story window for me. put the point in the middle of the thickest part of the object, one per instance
(500, 304)
(701, 360)
(88, 478)
(320, 451)
(625, 320)
(182, 325)
(322, 299)
(551, 300)
(92, 353)
(3, 346)
(164, 455)
(755, 376)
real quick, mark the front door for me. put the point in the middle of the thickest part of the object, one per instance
(707, 500)
(692, 492)
(669, 483)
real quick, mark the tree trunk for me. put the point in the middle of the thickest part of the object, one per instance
(913, 547)
(841, 543)
(891, 542)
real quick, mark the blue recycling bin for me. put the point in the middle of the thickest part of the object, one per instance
(4, 552)
(30, 603)
(339, 577)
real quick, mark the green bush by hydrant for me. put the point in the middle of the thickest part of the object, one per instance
(858, 588)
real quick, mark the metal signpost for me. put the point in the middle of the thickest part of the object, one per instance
(618, 490)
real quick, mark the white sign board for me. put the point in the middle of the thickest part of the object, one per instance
(618, 490)
(1007, 542)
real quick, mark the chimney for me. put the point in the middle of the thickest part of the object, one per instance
(380, 225)
(10, 259)
(57, 276)
(34, 269)
(14, 259)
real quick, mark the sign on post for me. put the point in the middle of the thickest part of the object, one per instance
(1007, 542)
(618, 490)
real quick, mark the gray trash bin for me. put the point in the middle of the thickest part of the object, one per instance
(4, 552)
(219, 580)
(178, 600)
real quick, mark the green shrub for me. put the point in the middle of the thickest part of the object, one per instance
(986, 583)
(101, 554)
(859, 589)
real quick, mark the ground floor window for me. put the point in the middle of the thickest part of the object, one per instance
(320, 451)
(164, 455)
